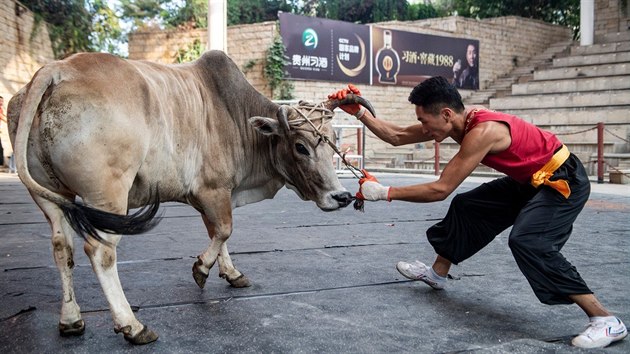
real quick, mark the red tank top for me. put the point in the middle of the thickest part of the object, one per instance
(531, 147)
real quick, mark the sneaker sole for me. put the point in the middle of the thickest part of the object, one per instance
(602, 343)
(411, 277)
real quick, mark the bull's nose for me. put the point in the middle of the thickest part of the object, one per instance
(343, 198)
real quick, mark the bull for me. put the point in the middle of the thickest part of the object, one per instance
(122, 134)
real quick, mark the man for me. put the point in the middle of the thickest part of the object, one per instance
(467, 77)
(545, 189)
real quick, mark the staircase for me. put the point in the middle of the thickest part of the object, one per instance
(502, 86)
(589, 85)
(567, 90)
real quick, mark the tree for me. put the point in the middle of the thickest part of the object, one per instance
(561, 12)
(76, 25)
(362, 11)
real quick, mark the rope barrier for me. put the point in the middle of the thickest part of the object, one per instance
(616, 136)
(577, 132)
(611, 167)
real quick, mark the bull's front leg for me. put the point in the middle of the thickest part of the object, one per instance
(218, 222)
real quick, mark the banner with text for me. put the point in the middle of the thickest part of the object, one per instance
(407, 58)
(328, 50)
(321, 49)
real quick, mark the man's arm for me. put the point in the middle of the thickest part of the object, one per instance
(484, 138)
(392, 133)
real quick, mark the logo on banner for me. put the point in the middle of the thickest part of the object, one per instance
(345, 50)
(309, 38)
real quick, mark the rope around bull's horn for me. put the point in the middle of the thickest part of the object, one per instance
(327, 114)
(359, 204)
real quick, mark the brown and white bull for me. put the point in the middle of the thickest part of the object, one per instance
(123, 134)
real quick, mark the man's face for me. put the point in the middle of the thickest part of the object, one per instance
(434, 125)
(471, 55)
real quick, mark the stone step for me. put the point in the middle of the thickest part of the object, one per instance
(582, 71)
(601, 48)
(605, 99)
(574, 116)
(573, 85)
(594, 59)
(613, 37)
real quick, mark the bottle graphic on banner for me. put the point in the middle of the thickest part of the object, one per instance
(387, 61)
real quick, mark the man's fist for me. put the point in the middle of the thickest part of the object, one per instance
(371, 189)
(352, 109)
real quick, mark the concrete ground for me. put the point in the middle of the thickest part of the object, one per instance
(322, 282)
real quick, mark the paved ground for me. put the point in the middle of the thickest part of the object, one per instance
(322, 282)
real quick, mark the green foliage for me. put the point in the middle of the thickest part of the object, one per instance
(76, 25)
(190, 52)
(247, 67)
(273, 71)
(421, 11)
(106, 31)
(254, 11)
(361, 11)
(561, 12)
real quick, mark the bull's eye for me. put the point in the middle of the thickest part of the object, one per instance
(301, 149)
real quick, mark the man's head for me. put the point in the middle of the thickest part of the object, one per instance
(437, 104)
(436, 93)
(471, 55)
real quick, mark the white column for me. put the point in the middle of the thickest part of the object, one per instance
(587, 21)
(217, 25)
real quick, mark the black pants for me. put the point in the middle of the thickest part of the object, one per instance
(541, 219)
(1, 154)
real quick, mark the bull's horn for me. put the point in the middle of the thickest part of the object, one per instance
(350, 98)
(283, 118)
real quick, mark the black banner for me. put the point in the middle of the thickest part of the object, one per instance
(327, 50)
(407, 58)
(321, 49)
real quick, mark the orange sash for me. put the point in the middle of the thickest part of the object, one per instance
(542, 175)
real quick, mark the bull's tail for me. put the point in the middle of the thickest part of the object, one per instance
(87, 221)
(84, 219)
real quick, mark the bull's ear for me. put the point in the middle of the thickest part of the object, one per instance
(264, 125)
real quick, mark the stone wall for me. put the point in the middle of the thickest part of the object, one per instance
(22, 53)
(611, 16)
(503, 42)
(247, 46)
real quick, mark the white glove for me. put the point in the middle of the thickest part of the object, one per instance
(374, 191)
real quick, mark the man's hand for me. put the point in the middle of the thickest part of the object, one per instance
(352, 109)
(371, 189)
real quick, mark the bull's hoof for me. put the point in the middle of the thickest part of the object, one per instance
(198, 275)
(74, 329)
(144, 337)
(239, 282)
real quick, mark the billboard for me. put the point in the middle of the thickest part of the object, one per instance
(328, 50)
(407, 58)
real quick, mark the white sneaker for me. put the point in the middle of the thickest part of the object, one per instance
(420, 271)
(601, 331)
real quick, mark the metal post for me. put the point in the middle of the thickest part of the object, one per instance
(600, 152)
(360, 146)
(217, 25)
(436, 164)
(587, 22)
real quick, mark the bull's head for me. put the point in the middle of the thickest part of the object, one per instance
(301, 151)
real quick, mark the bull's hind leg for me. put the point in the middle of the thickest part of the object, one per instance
(70, 322)
(218, 221)
(103, 259)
